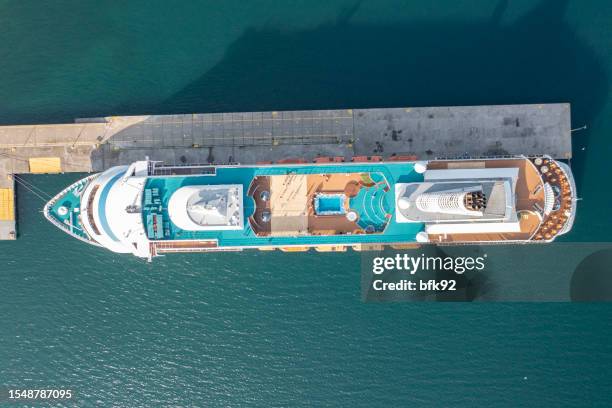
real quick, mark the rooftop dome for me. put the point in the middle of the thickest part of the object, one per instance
(207, 207)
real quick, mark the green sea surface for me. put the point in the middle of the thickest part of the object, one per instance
(276, 329)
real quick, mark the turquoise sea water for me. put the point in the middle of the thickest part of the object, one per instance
(274, 329)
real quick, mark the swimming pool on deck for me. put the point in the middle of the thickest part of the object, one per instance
(329, 204)
(374, 204)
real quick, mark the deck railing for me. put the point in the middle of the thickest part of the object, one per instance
(60, 225)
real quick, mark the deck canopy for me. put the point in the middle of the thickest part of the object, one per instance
(207, 207)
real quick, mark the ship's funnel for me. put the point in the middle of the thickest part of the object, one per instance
(451, 203)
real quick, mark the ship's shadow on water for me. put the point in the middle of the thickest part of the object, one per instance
(592, 279)
(536, 59)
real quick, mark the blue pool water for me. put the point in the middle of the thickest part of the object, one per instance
(330, 204)
(373, 204)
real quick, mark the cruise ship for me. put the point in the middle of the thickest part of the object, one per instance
(150, 209)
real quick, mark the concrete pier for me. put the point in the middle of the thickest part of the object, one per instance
(95, 144)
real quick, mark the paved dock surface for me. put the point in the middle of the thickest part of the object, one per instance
(260, 136)
(465, 131)
(95, 144)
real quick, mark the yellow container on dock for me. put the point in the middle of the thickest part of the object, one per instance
(40, 165)
(7, 204)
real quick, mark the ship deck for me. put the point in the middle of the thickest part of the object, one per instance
(529, 196)
(69, 200)
(331, 177)
(295, 211)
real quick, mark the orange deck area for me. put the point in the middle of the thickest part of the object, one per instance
(292, 211)
(346, 183)
(529, 196)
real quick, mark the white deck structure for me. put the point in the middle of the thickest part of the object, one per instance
(438, 201)
(105, 204)
(206, 208)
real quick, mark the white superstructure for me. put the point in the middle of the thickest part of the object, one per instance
(110, 208)
(202, 208)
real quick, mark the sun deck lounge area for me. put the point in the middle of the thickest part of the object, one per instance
(280, 203)
(321, 204)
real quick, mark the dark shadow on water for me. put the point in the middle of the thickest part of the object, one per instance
(592, 279)
(537, 59)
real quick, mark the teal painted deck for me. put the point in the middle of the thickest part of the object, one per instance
(72, 201)
(374, 204)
